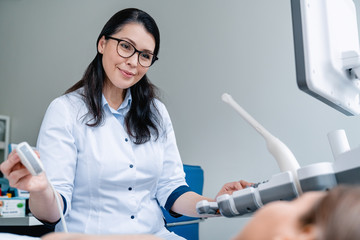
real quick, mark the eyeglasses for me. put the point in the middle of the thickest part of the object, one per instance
(126, 50)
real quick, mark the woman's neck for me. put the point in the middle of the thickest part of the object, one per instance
(114, 96)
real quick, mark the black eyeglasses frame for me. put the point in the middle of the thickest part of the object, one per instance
(155, 58)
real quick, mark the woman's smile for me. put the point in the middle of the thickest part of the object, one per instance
(127, 74)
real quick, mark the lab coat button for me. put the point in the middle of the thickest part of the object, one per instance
(130, 188)
(131, 166)
(132, 216)
(126, 139)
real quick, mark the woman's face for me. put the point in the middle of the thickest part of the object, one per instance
(121, 72)
(280, 220)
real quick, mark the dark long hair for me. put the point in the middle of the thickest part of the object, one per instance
(143, 118)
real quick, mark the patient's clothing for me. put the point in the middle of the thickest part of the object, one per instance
(110, 184)
(10, 236)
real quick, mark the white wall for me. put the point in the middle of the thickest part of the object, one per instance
(208, 47)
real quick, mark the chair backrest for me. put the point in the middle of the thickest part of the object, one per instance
(184, 226)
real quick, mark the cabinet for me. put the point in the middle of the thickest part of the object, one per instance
(4, 136)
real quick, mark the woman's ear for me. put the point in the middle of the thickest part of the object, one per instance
(101, 44)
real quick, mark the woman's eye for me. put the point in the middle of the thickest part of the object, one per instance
(125, 46)
(146, 56)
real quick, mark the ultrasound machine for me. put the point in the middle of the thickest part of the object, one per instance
(327, 61)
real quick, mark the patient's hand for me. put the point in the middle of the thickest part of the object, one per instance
(231, 187)
(79, 236)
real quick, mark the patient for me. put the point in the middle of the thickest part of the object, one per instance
(77, 236)
(333, 215)
(74, 236)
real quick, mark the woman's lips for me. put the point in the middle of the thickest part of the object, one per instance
(127, 73)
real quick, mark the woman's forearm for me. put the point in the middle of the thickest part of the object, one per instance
(43, 205)
(186, 204)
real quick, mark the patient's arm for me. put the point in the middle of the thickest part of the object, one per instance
(79, 236)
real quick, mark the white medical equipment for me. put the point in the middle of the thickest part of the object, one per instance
(31, 161)
(282, 154)
(328, 68)
(282, 186)
(326, 44)
(292, 180)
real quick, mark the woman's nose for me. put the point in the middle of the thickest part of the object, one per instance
(133, 60)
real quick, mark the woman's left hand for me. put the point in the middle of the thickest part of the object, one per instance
(231, 187)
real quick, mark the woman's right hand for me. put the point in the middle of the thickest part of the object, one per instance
(19, 177)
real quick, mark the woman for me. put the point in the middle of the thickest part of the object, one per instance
(108, 145)
(333, 215)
